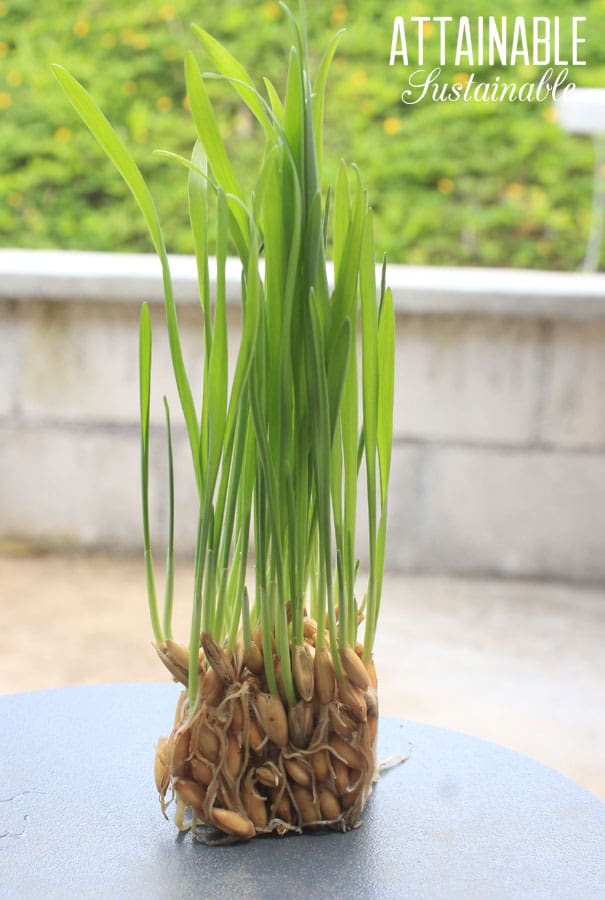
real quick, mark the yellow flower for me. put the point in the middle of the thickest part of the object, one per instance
(515, 190)
(359, 78)
(63, 135)
(163, 104)
(445, 186)
(461, 78)
(551, 114)
(129, 88)
(81, 28)
(14, 78)
(3, 9)
(14, 198)
(339, 14)
(186, 103)
(167, 12)
(3, 48)
(391, 125)
(272, 11)
(5, 100)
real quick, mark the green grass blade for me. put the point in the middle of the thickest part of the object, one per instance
(277, 106)
(319, 93)
(169, 588)
(228, 66)
(218, 364)
(269, 468)
(337, 367)
(344, 298)
(106, 137)
(209, 135)
(198, 216)
(383, 281)
(342, 217)
(144, 399)
(294, 110)
(369, 326)
(337, 512)
(349, 422)
(369, 378)
(386, 389)
(251, 316)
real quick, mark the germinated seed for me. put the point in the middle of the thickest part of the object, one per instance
(255, 807)
(232, 823)
(353, 699)
(212, 688)
(207, 743)
(306, 807)
(180, 751)
(320, 764)
(272, 716)
(234, 756)
(354, 668)
(341, 722)
(298, 772)
(329, 805)
(346, 752)
(302, 669)
(300, 722)
(161, 771)
(178, 672)
(218, 658)
(324, 675)
(201, 770)
(190, 792)
(256, 736)
(268, 776)
(253, 659)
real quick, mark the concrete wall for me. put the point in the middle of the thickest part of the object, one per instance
(499, 457)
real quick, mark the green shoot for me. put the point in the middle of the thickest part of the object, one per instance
(277, 451)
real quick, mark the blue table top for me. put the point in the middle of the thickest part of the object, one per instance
(461, 818)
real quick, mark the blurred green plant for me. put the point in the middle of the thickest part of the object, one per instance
(458, 183)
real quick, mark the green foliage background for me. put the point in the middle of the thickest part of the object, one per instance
(496, 184)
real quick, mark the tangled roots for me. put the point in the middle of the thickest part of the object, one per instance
(246, 764)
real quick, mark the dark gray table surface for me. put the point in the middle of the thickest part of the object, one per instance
(462, 818)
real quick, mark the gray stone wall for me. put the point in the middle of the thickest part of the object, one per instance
(499, 457)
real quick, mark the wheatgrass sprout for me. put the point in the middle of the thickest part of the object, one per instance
(276, 730)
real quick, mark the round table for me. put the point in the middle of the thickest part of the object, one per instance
(461, 818)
